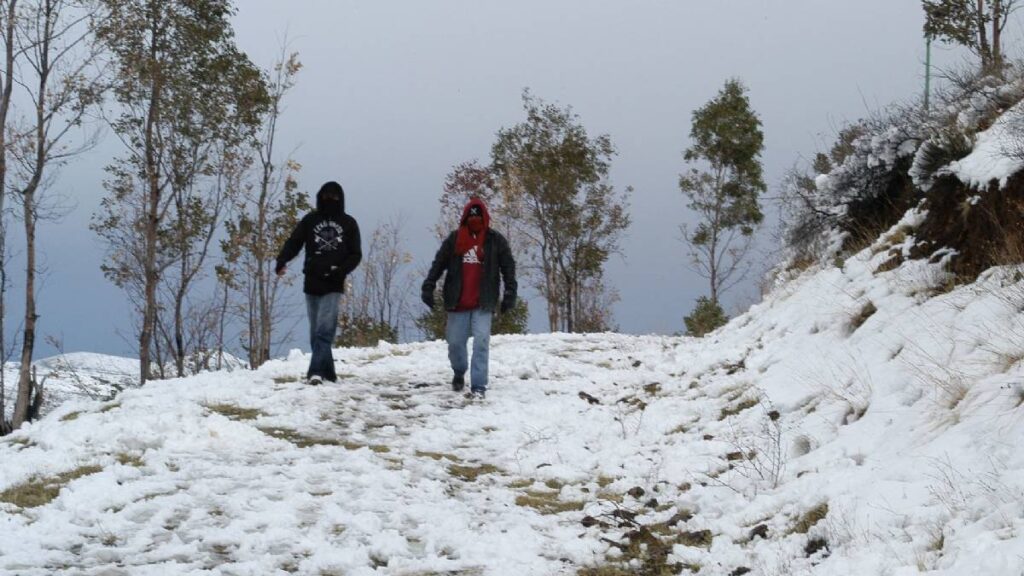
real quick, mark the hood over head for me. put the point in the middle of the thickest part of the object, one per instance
(475, 206)
(464, 239)
(322, 205)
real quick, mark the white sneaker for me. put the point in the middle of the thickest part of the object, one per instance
(315, 381)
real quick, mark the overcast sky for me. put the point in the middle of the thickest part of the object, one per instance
(393, 94)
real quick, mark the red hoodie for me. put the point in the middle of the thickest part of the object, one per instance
(471, 247)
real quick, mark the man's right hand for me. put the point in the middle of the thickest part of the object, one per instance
(281, 271)
(428, 299)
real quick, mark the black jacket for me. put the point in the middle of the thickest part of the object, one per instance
(497, 259)
(333, 248)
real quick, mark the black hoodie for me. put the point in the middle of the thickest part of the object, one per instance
(332, 243)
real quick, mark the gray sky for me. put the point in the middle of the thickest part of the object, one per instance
(393, 94)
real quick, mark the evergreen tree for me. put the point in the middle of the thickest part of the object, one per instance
(707, 315)
(723, 185)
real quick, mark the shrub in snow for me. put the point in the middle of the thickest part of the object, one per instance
(707, 315)
(894, 161)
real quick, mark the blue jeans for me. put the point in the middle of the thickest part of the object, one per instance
(323, 324)
(462, 325)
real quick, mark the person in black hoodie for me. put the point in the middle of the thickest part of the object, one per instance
(472, 257)
(333, 250)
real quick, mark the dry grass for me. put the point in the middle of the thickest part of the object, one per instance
(737, 408)
(858, 320)
(695, 539)
(810, 518)
(438, 456)
(547, 502)
(304, 441)
(233, 412)
(471, 473)
(40, 491)
(609, 496)
(130, 460)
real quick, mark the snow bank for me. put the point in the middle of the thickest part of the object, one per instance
(998, 152)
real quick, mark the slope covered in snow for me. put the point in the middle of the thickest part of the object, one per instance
(855, 423)
(74, 375)
(85, 375)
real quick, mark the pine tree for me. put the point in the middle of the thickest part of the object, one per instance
(707, 315)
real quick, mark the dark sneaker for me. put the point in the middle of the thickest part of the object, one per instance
(475, 395)
(315, 380)
(458, 382)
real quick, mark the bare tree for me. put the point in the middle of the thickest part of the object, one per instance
(376, 303)
(262, 217)
(594, 303)
(194, 219)
(61, 86)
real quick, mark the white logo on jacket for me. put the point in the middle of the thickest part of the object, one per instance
(470, 256)
(328, 236)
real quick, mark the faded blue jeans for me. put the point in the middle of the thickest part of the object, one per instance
(323, 324)
(462, 325)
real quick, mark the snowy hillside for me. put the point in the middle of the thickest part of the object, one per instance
(78, 374)
(84, 375)
(855, 423)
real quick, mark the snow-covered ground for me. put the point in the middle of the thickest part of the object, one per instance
(74, 375)
(855, 423)
(84, 375)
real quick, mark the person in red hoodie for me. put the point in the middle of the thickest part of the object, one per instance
(472, 258)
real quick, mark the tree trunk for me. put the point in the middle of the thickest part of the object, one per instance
(716, 228)
(253, 320)
(179, 337)
(222, 328)
(23, 403)
(151, 277)
(4, 427)
(570, 317)
(997, 33)
(984, 50)
(152, 217)
(550, 287)
(5, 104)
(262, 274)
